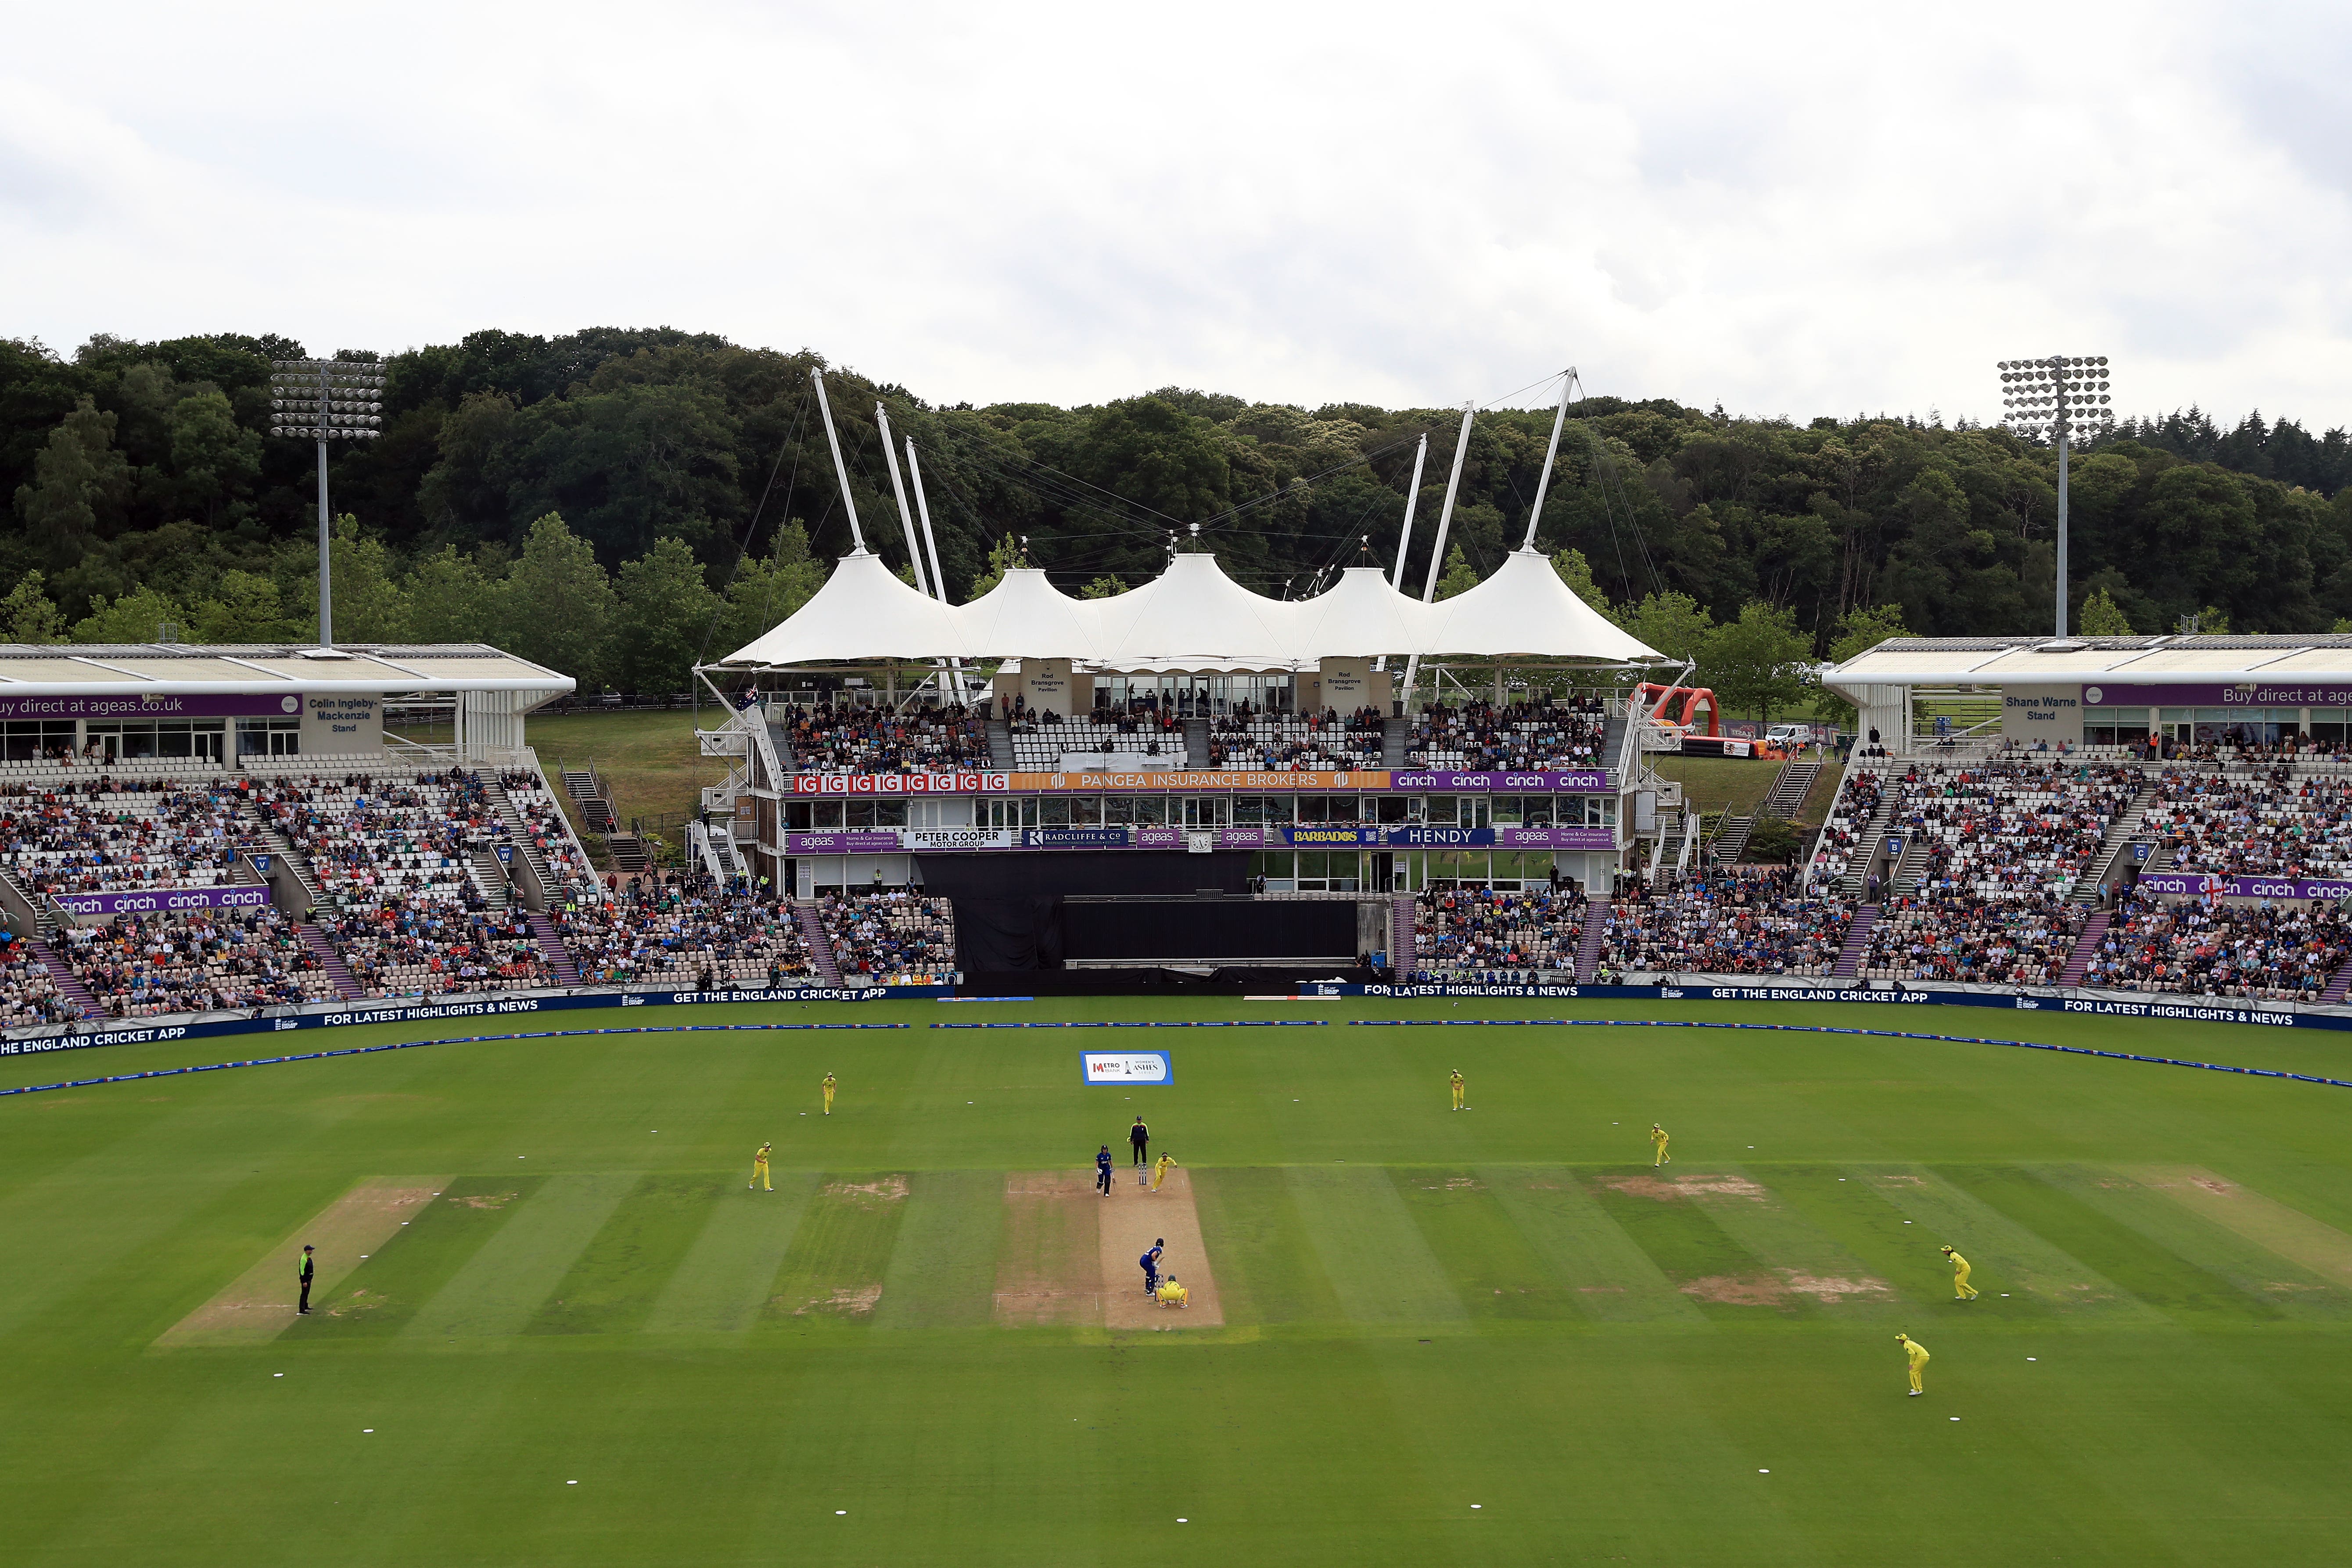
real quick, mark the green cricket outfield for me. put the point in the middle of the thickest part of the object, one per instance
(1499, 1336)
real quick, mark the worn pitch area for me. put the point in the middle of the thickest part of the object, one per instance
(258, 1304)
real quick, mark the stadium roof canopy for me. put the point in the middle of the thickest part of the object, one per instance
(1190, 617)
(2222, 659)
(146, 669)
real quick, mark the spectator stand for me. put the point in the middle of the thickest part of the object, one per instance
(889, 937)
(1477, 935)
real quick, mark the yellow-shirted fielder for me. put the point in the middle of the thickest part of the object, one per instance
(827, 1086)
(1961, 1290)
(1658, 1142)
(1917, 1354)
(759, 1168)
(1166, 1163)
(1172, 1294)
(1457, 1088)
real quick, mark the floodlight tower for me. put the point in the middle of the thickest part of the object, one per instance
(2057, 398)
(327, 400)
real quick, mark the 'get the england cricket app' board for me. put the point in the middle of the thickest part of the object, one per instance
(1126, 1066)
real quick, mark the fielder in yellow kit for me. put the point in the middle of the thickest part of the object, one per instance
(759, 1168)
(1918, 1355)
(1961, 1290)
(1658, 1139)
(1160, 1171)
(1457, 1088)
(827, 1086)
(1172, 1294)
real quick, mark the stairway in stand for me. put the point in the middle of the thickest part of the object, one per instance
(1396, 741)
(551, 948)
(68, 982)
(820, 945)
(324, 951)
(999, 745)
(1588, 948)
(2086, 945)
(1196, 743)
(2337, 983)
(1857, 942)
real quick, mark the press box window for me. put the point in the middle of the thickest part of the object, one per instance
(269, 737)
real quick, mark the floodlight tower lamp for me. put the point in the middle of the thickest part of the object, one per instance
(2058, 398)
(327, 400)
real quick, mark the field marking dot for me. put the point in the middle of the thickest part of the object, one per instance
(840, 1512)
(1956, 1418)
(1763, 1472)
(364, 1430)
(571, 1483)
(278, 1374)
(2029, 1358)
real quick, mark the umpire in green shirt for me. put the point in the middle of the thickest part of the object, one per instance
(302, 1272)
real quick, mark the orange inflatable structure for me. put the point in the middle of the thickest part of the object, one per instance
(1692, 709)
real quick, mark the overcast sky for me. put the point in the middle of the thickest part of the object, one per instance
(1791, 212)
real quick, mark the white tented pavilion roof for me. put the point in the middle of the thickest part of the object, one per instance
(1192, 617)
(1524, 609)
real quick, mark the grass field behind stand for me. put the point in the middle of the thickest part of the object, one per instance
(577, 1338)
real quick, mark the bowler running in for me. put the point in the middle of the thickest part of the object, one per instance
(1160, 1171)
(1658, 1142)
(1961, 1290)
(1457, 1088)
(759, 1168)
(1917, 1354)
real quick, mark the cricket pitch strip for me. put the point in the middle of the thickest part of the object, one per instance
(1070, 1255)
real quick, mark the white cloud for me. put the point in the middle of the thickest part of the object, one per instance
(1793, 213)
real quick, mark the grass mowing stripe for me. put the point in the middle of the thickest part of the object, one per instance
(725, 1276)
(833, 1273)
(1726, 1281)
(503, 1284)
(258, 1305)
(2292, 1234)
(2171, 1284)
(942, 1271)
(2004, 1254)
(1268, 1267)
(1500, 1274)
(1813, 1263)
(1611, 1279)
(1382, 1268)
(2252, 1269)
(612, 1287)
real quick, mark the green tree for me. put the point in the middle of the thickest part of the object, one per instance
(1103, 588)
(1002, 558)
(1459, 578)
(1674, 624)
(79, 483)
(451, 599)
(213, 461)
(2100, 617)
(135, 617)
(247, 607)
(370, 605)
(28, 615)
(665, 614)
(555, 607)
(1577, 573)
(764, 592)
(1759, 662)
(1860, 630)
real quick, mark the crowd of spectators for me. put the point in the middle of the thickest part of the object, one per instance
(1479, 737)
(136, 966)
(890, 936)
(848, 739)
(647, 930)
(1743, 920)
(374, 844)
(1474, 929)
(28, 992)
(2010, 827)
(544, 827)
(2270, 824)
(102, 835)
(1312, 743)
(2275, 952)
(1962, 935)
(399, 947)
(1850, 815)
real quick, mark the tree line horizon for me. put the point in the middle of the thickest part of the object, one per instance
(621, 503)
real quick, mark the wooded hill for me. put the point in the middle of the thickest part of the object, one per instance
(620, 502)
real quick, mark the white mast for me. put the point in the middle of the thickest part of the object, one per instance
(1535, 514)
(898, 487)
(1412, 494)
(938, 578)
(840, 468)
(1445, 522)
